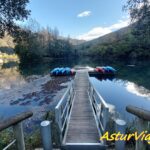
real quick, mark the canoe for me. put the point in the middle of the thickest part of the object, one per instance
(62, 71)
(105, 70)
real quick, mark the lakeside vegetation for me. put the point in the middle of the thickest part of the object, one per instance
(41, 43)
(46, 43)
(8, 57)
(133, 43)
(35, 43)
(7, 49)
(129, 47)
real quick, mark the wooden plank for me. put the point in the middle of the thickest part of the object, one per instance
(14, 119)
(82, 126)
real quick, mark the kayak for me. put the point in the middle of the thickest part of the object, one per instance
(62, 71)
(100, 69)
(106, 70)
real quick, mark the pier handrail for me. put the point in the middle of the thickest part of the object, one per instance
(139, 112)
(100, 97)
(14, 120)
(16, 123)
(143, 118)
(62, 110)
(100, 107)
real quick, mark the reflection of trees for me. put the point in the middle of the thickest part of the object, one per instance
(45, 66)
(10, 77)
(9, 64)
(139, 74)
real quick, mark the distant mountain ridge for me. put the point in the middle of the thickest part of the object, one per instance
(72, 40)
(108, 38)
(76, 41)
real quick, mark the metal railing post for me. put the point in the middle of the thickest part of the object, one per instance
(18, 132)
(92, 93)
(120, 127)
(106, 118)
(46, 135)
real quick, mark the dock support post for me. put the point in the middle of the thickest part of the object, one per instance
(142, 125)
(120, 127)
(18, 132)
(46, 135)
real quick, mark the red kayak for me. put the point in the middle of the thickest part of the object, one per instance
(99, 69)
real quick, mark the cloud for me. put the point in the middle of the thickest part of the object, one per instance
(100, 31)
(94, 33)
(84, 14)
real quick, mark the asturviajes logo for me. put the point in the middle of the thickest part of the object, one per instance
(143, 136)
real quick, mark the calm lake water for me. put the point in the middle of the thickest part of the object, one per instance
(131, 85)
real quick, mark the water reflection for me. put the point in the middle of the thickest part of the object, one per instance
(122, 93)
(9, 64)
(131, 85)
(10, 78)
(137, 90)
(102, 77)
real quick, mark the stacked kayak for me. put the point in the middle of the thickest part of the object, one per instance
(105, 70)
(62, 72)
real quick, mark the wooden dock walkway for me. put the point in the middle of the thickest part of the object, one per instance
(82, 126)
(82, 115)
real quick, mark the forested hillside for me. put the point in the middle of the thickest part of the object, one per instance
(127, 43)
(34, 43)
(108, 38)
(45, 42)
(116, 46)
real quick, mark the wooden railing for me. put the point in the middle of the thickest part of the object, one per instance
(143, 119)
(100, 107)
(16, 123)
(62, 110)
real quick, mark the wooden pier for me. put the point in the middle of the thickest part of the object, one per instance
(79, 115)
(82, 126)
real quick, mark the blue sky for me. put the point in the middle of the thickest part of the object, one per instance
(82, 19)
